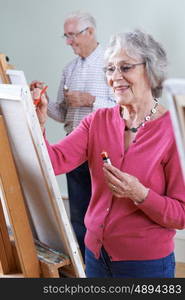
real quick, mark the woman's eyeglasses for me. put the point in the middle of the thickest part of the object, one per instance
(123, 69)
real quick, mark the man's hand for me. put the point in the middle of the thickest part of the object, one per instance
(77, 99)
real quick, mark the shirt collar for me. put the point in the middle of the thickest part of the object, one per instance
(93, 56)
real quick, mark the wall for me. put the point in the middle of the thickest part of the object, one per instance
(31, 33)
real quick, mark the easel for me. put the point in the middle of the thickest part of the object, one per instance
(21, 256)
(4, 66)
(15, 206)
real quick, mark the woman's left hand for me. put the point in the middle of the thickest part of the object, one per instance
(124, 185)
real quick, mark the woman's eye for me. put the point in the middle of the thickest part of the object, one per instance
(111, 69)
(125, 69)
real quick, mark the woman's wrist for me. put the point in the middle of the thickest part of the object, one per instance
(142, 198)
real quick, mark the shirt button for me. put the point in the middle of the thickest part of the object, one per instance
(108, 208)
(101, 226)
(98, 241)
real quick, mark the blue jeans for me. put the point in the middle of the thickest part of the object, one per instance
(79, 191)
(104, 268)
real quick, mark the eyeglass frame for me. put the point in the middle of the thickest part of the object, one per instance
(130, 66)
(72, 36)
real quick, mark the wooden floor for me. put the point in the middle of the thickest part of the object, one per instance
(180, 270)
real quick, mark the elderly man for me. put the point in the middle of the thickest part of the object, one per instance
(82, 90)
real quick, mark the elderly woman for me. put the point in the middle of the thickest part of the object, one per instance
(138, 201)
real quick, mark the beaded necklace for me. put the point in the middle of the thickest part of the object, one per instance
(147, 118)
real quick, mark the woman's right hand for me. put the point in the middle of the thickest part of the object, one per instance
(36, 84)
(41, 107)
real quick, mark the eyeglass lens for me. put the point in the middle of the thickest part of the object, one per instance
(125, 68)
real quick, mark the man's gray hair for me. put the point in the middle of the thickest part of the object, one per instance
(84, 19)
(140, 45)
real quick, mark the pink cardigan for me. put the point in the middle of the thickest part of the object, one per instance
(127, 231)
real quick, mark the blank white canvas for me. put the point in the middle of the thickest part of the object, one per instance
(48, 216)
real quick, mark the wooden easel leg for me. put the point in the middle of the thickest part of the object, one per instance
(3, 67)
(16, 209)
(49, 270)
(6, 254)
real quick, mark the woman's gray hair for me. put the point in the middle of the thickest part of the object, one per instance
(140, 45)
(84, 19)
